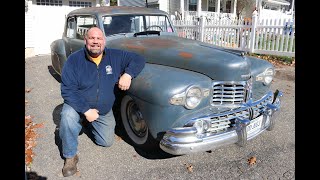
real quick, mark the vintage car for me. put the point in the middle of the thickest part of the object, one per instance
(191, 96)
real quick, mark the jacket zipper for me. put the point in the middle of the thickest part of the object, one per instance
(98, 85)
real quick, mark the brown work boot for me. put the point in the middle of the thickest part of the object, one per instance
(70, 166)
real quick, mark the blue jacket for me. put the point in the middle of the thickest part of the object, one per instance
(85, 85)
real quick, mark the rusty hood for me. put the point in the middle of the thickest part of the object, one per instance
(216, 62)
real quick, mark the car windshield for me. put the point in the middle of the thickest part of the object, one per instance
(135, 23)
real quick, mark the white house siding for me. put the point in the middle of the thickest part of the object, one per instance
(164, 5)
(29, 23)
(29, 35)
(133, 3)
(45, 24)
(174, 5)
(49, 23)
(266, 13)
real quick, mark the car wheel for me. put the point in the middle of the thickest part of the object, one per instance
(134, 123)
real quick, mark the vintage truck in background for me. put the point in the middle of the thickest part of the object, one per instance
(191, 96)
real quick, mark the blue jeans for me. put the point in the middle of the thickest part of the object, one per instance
(70, 127)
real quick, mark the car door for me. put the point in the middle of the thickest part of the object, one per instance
(77, 27)
(69, 34)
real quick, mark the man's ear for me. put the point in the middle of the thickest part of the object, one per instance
(104, 41)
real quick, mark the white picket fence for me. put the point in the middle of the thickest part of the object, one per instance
(264, 36)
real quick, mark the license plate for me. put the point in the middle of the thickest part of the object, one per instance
(254, 125)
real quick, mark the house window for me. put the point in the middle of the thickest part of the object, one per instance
(49, 2)
(155, 6)
(80, 4)
(228, 7)
(212, 5)
(192, 5)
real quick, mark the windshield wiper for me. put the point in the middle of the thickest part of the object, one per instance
(146, 33)
(118, 34)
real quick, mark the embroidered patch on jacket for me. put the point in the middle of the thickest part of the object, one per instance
(109, 69)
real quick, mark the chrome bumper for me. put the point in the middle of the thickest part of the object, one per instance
(185, 140)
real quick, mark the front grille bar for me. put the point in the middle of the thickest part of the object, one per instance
(228, 92)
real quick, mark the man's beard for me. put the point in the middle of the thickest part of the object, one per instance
(95, 52)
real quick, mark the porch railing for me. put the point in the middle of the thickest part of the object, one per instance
(193, 15)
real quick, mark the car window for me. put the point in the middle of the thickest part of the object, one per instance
(71, 24)
(122, 24)
(77, 26)
(83, 23)
(158, 23)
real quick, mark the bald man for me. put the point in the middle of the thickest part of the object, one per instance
(88, 79)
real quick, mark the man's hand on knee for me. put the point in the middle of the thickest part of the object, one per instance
(91, 114)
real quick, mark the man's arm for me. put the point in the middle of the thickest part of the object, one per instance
(125, 81)
(133, 65)
(69, 89)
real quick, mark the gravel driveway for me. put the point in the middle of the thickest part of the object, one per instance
(274, 150)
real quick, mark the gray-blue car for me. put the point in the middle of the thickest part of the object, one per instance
(191, 96)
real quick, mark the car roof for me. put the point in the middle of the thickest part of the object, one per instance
(104, 10)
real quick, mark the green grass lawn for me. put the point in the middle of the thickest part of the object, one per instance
(276, 59)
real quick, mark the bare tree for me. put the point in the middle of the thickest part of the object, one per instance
(102, 2)
(243, 5)
(113, 2)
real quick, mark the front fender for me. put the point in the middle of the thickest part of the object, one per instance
(58, 55)
(259, 66)
(156, 84)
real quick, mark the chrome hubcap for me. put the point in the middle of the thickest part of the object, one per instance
(135, 119)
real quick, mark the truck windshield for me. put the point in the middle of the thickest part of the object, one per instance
(135, 23)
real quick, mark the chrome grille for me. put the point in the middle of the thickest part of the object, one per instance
(258, 108)
(223, 122)
(224, 93)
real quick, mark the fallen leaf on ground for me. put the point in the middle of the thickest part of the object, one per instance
(252, 160)
(189, 167)
(30, 138)
(78, 173)
(118, 138)
(28, 90)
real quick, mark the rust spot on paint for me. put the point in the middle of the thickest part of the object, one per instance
(135, 47)
(151, 43)
(159, 43)
(185, 54)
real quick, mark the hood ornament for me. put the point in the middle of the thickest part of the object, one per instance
(249, 89)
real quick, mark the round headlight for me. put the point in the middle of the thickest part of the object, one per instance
(199, 126)
(267, 80)
(268, 76)
(193, 97)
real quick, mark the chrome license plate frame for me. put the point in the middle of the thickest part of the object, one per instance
(254, 125)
